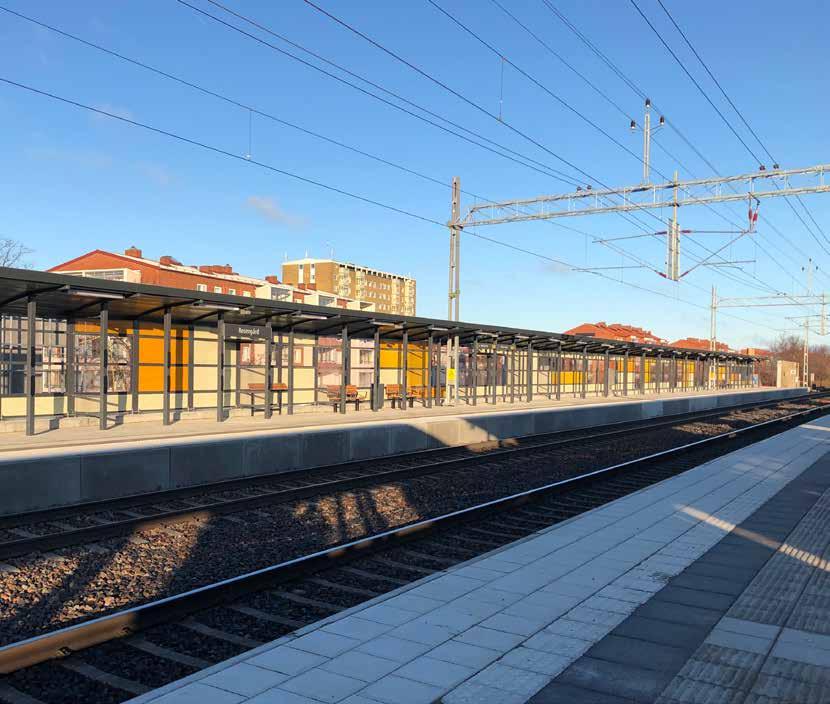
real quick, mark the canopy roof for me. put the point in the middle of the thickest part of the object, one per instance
(62, 296)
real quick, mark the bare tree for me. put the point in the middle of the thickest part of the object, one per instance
(13, 253)
(790, 348)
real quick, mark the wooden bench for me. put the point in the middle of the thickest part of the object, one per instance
(394, 393)
(352, 396)
(257, 387)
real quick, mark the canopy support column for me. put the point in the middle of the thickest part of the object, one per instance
(494, 360)
(376, 395)
(607, 386)
(559, 372)
(69, 381)
(290, 400)
(344, 367)
(134, 371)
(165, 403)
(103, 365)
(475, 370)
(269, 375)
(220, 368)
(625, 373)
(584, 389)
(430, 367)
(405, 370)
(191, 366)
(29, 385)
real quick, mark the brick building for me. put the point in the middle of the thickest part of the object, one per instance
(391, 293)
(616, 331)
(698, 343)
(134, 267)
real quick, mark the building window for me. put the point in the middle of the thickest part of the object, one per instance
(301, 274)
(313, 277)
(109, 274)
(247, 294)
(201, 287)
(217, 289)
(232, 291)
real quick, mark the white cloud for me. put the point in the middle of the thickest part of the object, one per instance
(268, 208)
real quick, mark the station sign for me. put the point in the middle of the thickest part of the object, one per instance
(246, 332)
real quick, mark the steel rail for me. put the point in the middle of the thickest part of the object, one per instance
(89, 534)
(65, 641)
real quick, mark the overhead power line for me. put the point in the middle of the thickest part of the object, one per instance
(694, 80)
(496, 51)
(725, 120)
(318, 184)
(737, 111)
(517, 157)
(792, 246)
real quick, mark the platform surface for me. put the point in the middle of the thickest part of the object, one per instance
(712, 586)
(151, 430)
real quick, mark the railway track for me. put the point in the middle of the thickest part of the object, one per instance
(53, 529)
(115, 657)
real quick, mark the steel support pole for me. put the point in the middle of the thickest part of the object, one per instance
(529, 371)
(237, 373)
(405, 369)
(103, 365)
(584, 391)
(475, 370)
(659, 373)
(494, 367)
(344, 366)
(191, 366)
(220, 368)
(625, 373)
(643, 373)
(290, 384)
(69, 382)
(268, 391)
(430, 368)
(279, 357)
(513, 373)
(29, 382)
(559, 372)
(165, 388)
(607, 381)
(376, 395)
(134, 370)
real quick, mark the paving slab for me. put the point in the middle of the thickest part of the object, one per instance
(612, 614)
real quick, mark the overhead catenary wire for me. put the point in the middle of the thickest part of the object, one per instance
(497, 51)
(554, 173)
(736, 109)
(723, 117)
(510, 154)
(673, 126)
(268, 30)
(252, 110)
(319, 184)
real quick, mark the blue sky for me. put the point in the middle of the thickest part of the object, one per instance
(74, 181)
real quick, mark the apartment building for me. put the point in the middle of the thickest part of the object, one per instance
(132, 266)
(391, 293)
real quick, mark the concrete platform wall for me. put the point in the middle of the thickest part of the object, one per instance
(63, 478)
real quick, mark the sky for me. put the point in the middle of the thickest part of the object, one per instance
(76, 180)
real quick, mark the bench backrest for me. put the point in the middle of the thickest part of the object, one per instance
(333, 392)
(259, 386)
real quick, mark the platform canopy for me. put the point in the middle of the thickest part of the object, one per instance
(60, 296)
